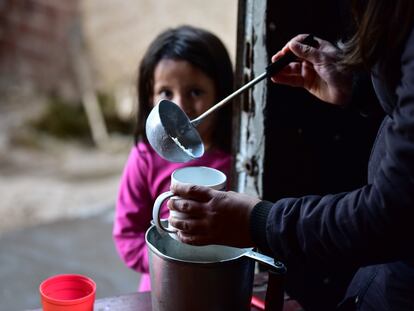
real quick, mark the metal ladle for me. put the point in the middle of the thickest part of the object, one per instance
(175, 137)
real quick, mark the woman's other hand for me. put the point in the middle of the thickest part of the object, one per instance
(316, 70)
(211, 216)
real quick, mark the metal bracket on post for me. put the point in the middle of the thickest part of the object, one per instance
(250, 166)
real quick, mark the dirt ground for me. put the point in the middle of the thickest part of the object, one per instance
(56, 211)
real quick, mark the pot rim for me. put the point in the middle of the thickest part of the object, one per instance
(241, 256)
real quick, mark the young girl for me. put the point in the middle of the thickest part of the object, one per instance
(192, 68)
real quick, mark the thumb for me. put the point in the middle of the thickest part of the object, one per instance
(304, 51)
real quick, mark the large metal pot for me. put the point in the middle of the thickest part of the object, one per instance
(202, 278)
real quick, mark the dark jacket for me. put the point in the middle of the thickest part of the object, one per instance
(356, 248)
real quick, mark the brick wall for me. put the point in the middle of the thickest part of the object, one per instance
(34, 45)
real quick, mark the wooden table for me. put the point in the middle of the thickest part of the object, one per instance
(128, 302)
(142, 301)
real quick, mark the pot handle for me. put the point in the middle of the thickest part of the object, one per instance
(269, 262)
(275, 290)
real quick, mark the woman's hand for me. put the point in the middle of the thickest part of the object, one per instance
(316, 70)
(211, 216)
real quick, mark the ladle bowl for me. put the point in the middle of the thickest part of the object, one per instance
(171, 133)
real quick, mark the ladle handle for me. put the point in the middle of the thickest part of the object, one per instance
(200, 118)
(270, 71)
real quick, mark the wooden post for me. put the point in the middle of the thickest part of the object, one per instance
(251, 62)
(85, 83)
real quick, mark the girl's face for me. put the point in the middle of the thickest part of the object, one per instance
(188, 87)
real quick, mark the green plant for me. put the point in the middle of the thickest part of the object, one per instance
(68, 120)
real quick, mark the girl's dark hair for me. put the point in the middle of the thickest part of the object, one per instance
(382, 28)
(203, 50)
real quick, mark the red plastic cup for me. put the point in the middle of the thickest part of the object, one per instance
(66, 292)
